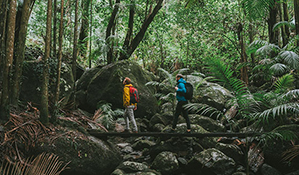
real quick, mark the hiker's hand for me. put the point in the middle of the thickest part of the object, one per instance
(135, 108)
(176, 88)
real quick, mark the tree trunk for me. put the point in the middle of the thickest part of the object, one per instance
(109, 29)
(44, 111)
(55, 29)
(57, 92)
(273, 35)
(244, 70)
(7, 62)
(296, 9)
(90, 34)
(84, 28)
(251, 39)
(130, 28)
(286, 18)
(75, 49)
(135, 42)
(3, 14)
(21, 33)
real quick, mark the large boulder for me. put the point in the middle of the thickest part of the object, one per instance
(166, 163)
(30, 90)
(215, 161)
(105, 84)
(87, 155)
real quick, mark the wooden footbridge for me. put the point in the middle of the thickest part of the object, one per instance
(105, 135)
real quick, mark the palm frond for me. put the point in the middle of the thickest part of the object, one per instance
(257, 8)
(255, 45)
(284, 82)
(45, 163)
(277, 135)
(279, 68)
(291, 153)
(167, 76)
(267, 49)
(281, 24)
(292, 94)
(204, 109)
(275, 112)
(152, 83)
(290, 58)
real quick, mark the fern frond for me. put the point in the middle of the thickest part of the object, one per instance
(284, 82)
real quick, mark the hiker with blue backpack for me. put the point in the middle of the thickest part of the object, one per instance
(130, 99)
(182, 100)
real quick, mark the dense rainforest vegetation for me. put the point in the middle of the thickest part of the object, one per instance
(249, 47)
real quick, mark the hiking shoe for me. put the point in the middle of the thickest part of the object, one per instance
(135, 132)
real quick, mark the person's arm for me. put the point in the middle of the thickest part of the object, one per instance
(181, 88)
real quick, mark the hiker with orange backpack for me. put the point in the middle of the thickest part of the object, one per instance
(130, 99)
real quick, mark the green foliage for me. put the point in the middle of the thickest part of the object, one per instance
(257, 8)
(268, 138)
(284, 82)
(107, 115)
(204, 109)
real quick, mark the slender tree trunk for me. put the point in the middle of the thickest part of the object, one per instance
(3, 14)
(7, 62)
(296, 9)
(55, 29)
(273, 35)
(135, 42)
(21, 34)
(286, 18)
(57, 92)
(109, 29)
(251, 39)
(130, 28)
(75, 49)
(84, 28)
(244, 69)
(90, 34)
(44, 111)
(285, 29)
